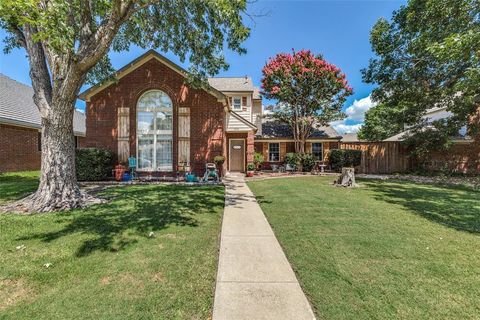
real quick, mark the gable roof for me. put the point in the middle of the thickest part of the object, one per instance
(17, 107)
(232, 84)
(277, 130)
(138, 62)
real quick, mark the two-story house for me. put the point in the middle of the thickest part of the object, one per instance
(149, 112)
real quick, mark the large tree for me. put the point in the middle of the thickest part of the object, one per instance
(428, 55)
(381, 122)
(310, 92)
(67, 42)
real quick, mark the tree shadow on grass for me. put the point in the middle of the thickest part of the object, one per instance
(135, 211)
(455, 207)
(14, 186)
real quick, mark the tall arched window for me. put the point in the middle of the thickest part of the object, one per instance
(154, 131)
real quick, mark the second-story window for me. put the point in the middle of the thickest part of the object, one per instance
(237, 103)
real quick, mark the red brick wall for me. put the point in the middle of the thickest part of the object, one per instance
(206, 113)
(18, 149)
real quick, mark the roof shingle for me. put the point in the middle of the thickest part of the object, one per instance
(17, 106)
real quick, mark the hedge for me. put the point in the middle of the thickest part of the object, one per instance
(340, 158)
(93, 164)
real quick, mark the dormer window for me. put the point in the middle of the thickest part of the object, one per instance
(237, 103)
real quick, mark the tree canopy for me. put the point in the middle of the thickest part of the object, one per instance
(310, 92)
(428, 55)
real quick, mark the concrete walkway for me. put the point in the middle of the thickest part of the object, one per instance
(254, 280)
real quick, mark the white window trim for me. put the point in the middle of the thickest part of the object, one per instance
(233, 102)
(155, 133)
(279, 158)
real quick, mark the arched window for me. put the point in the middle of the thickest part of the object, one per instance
(155, 132)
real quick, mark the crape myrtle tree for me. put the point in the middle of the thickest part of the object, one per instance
(309, 90)
(428, 55)
(67, 42)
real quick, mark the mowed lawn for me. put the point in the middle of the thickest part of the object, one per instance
(150, 253)
(386, 250)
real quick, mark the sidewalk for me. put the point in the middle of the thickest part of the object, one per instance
(254, 280)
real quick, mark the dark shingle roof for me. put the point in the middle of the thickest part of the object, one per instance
(276, 130)
(17, 106)
(235, 84)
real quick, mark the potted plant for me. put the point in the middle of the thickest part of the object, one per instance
(250, 169)
(219, 160)
(258, 160)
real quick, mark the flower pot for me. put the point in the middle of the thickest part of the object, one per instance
(119, 171)
(250, 173)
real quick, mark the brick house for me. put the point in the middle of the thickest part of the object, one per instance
(20, 143)
(149, 112)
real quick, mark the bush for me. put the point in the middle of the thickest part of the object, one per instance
(258, 159)
(293, 159)
(250, 167)
(340, 158)
(219, 160)
(308, 162)
(93, 164)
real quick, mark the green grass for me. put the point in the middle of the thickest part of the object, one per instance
(104, 264)
(387, 250)
(15, 185)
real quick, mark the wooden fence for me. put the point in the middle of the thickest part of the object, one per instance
(381, 157)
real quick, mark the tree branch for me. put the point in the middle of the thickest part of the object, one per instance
(39, 73)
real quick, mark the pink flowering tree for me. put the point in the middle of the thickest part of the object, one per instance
(309, 90)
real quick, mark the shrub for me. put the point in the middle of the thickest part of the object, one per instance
(293, 159)
(219, 160)
(250, 167)
(258, 159)
(340, 158)
(93, 164)
(308, 162)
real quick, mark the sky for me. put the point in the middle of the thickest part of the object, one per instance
(338, 29)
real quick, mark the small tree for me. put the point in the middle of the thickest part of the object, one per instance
(310, 92)
(67, 43)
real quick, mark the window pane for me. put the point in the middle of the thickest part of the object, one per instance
(164, 153)
(317, 150)
(164, 121)
(145, 122)
(145, 152)
(154, 130)
(274, 152)
(237, 103)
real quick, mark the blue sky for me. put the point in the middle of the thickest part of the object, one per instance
(338, 29)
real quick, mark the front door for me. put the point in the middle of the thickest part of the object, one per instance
(237, 155)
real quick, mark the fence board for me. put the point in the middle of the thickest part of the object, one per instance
(380, 157)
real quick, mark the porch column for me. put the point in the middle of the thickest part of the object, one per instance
(250, 147)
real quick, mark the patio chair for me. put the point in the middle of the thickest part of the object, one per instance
(132, 166)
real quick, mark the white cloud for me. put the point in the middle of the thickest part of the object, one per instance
(355, 116)
(356, 112)
(342, 128)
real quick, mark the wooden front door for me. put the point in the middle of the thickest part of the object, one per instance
(237, 155)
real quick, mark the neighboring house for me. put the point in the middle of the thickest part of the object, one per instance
(20, 124)
(149, 112)
(276, 140)
(350, 137)
(431, 115)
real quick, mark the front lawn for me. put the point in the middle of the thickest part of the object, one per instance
(15, 185)
(387, 250)
(151, 253)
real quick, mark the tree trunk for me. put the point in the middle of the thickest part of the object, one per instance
(347, 178)
(58, 189)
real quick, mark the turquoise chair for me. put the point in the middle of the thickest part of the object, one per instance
(132, 165)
